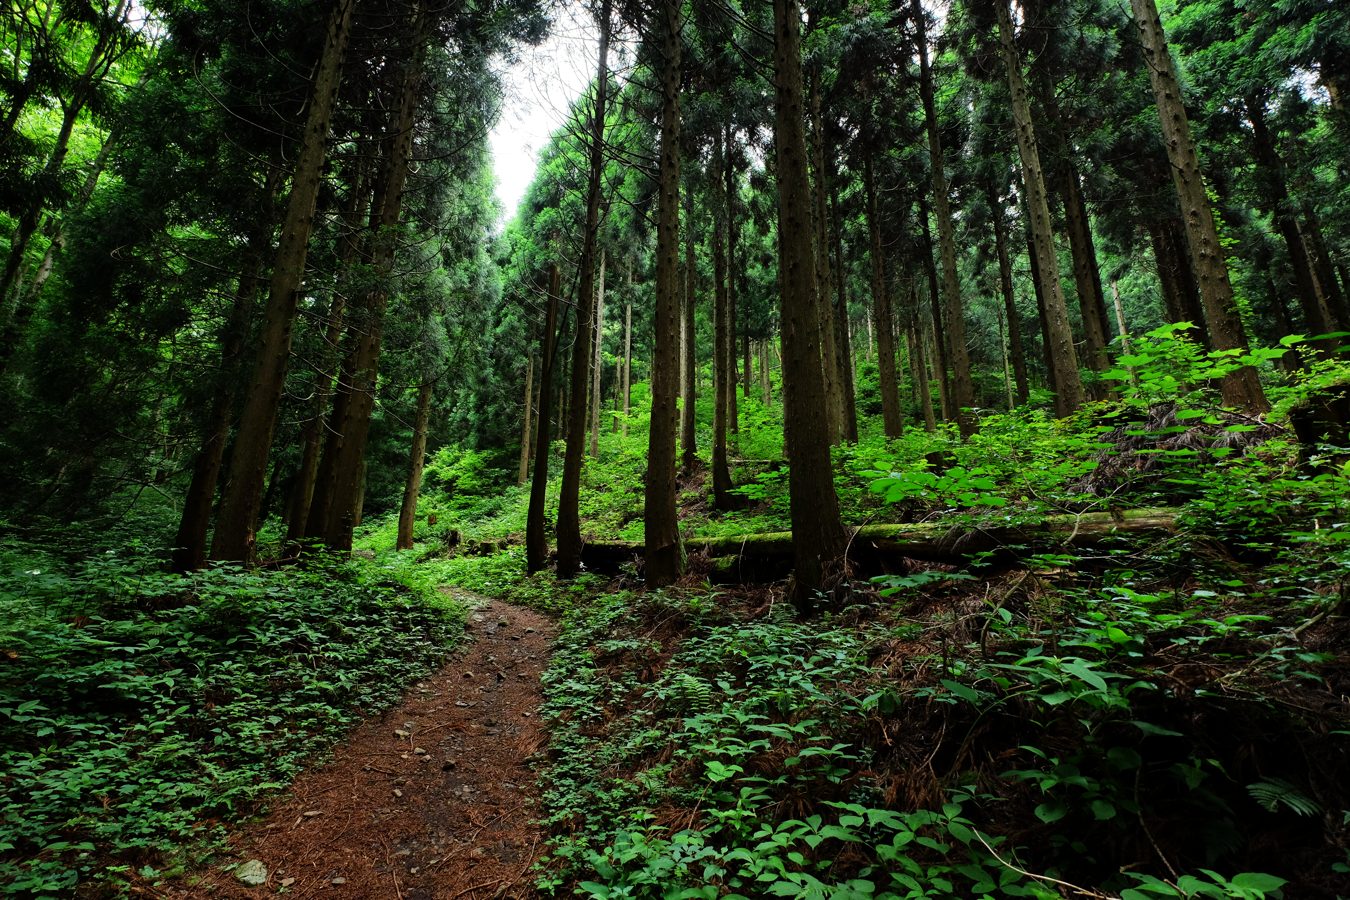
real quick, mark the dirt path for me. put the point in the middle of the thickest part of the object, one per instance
(431, 801)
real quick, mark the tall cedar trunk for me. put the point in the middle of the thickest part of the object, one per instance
(1067, 382)
(765, 388)
(1325, 271)
(724, 387)
(349, 467)
(829, 351)
(234, 536)
(1005, 281)
(689, 369)
(1276, 201)
(849, 410)
(918, 362)
(663, 547)
(1241, 388)
(189, 551)
(627, 355)
(569, 497)
(1181, 297)
(536, 543)
(1042, 316)
(733, 276)
(819, 542)
(101, 58)
(597, 362)
(941, 362)
(407, 513)
(330, 357)
(881, 305)
(962, 386)
(1087, 276)
(1063, 174)
(525, 428)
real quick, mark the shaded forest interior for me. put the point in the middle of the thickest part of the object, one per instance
(929, 424)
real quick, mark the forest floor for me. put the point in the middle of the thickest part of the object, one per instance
(432, 800)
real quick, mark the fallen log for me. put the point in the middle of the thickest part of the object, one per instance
(881, 549)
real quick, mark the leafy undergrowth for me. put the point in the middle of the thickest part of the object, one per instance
(1144, 724)
(139, 710)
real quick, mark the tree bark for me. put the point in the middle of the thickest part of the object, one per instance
(881, 304)
(849, 410)
(962, 385)
(829, 351)
(569, 515)
(599, 360)
(1017, 353)
(234, 536)
(689, 428)
(1067, 381)
(525, 429)
(407, 514)
(627, 356)
(724, 379)
(941, 360)
(664, 559)
(1241, 388)
(536, 543)
(349, 464)
(819, 541)
(918, 360)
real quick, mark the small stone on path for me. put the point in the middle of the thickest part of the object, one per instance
(252, 873)
(312, 813)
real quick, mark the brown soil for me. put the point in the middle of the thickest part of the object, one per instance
(433, 800)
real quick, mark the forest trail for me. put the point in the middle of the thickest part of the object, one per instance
(433, 800)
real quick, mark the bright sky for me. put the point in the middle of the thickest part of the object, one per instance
(540, 87)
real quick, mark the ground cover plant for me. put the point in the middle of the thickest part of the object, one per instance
(140, 710)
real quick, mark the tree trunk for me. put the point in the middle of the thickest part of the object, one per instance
(941, 360)
(536, 543)
(1276, 201)
(234, 537)
(1087, 274)
(918, 361)
(1005, 281)
(407, 514)
(525, 429)
(349, 467)
(1241, 388)
(819, 541)
(664, 561)
(849, 409)
(689, 429)
(1323, 268)
(330, 359)
(962, 386)
(189, 546)
(1067, 381)
(599, 360)
(881, 304)
(829, 351)
(569, 514)
(724, 380)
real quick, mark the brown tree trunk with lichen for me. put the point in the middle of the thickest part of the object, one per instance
(407, 514)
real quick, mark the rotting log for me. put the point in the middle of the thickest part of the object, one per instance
(879, 549)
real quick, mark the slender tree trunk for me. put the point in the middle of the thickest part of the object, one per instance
(189, 546)
(724, 386)
(349, 468)
(941, 364)
(918, 363)
(663, 548)
(1322, 266)
(850, 404)
(525, 428)
(881, 303)
(1042, 314)
(829, 351)
(330, 359)
(1087, 274)
(819, 542)
(962, 385)
(1277, 202)
(569, 515)
(627, 356)
(234, 536)
(598, 364)
(1242, 387)
(689, 429)
(1068, 383)
(536, 543)
(1005, 281)
(407, 514)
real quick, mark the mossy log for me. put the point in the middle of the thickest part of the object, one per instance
(878, 549)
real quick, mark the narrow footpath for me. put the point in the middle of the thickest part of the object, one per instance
(433, 800)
